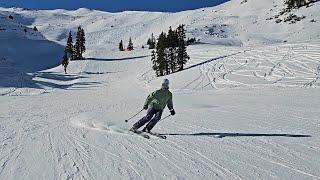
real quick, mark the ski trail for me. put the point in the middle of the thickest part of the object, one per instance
(277, 163)
(52, 154)
(118, 158)
(142, 156)
(166, 158)
(216, 164)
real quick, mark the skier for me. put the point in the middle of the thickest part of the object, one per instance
(65, 62)
(155, 103)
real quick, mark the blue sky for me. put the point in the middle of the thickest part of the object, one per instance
(114, 5)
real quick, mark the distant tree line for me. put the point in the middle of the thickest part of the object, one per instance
(129, 47)
(292, 4)
(151, 42)
(295, 3)
(74, 51)
(170, 54)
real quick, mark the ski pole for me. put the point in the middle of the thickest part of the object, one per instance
(133, 116)
(165, 117)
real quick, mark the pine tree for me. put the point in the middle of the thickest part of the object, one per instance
(295, 3)
(161, 55)
(130, 45)
(80, 43)
(69, 47)
(172, 43)
(121, 48)
(152, 42)
(155, 63)
(300, 3)
(183, 56)
(65, 62)
(290, 4)
(74, 53)
(171, 52)
(149, 42)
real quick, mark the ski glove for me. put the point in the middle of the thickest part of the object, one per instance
(145, 107)
(172, 112)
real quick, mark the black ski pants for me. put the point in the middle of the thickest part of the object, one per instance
(155, 113)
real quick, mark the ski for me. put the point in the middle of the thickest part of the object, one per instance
(140, 133)
(157, 135)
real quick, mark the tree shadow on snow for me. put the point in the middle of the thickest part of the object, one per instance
(57, 76)
(240, 135)
(44, 80)
(116, 59)
(53, 80)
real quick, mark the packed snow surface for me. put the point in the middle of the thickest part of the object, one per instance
(247, 103)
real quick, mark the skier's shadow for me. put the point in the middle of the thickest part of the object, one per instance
(221, 135)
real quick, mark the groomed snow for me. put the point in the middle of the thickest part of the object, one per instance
(245, 109)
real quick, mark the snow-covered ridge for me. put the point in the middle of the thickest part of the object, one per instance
(232, 23)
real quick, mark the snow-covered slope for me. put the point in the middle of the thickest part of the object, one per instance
(23, 50)
(233, 22)
(255, 97)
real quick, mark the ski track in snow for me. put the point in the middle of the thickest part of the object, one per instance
(246, 111)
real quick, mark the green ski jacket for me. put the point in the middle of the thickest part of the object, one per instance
(159, 99)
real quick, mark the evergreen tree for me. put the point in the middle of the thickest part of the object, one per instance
(167, 61)
(69, 47)
(74, 53)
(290, 4)
(77, 45)
(171, 52)
(191, 41)
(130, 45)
(172, 43)
(300, 3)
(161, 56)
(295, 3)
(182, 55)
(152, 42)
(65, 62)
(121, 48)
(80, 43)
(155, 63)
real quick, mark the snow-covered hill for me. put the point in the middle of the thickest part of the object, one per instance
(23, 50)
(234, 23)
(248, 82)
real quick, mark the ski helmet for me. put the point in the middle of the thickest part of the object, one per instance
(165, 83)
